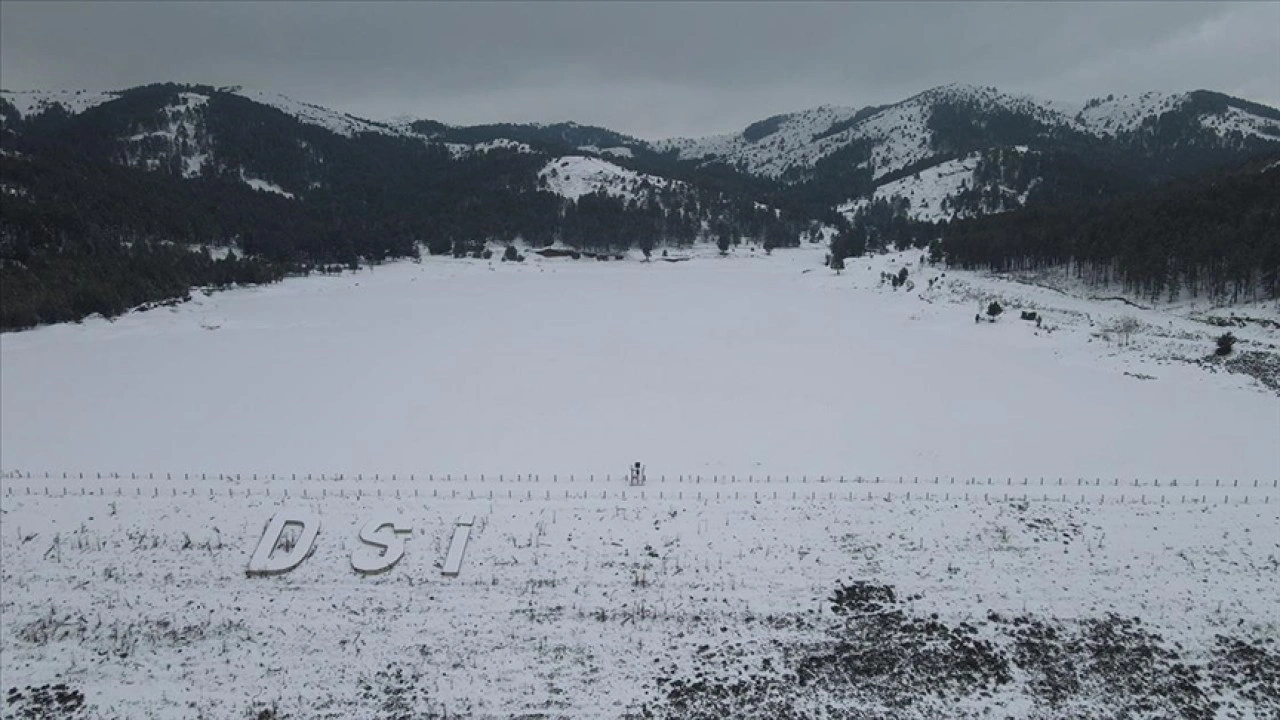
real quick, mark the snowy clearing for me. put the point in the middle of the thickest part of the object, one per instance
(844, 481)
(746, 364)
(596, 600)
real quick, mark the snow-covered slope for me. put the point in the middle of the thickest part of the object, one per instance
(341, 123)
(926, 190)
(1237, 120)
(573, 176)
(34, 102)
(789, 144)
(898, 134)
(1114, 115)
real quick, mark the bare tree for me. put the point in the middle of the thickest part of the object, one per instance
(1124, 327)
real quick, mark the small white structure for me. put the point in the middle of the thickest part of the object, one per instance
(266, 561)
(457, 546)
(381, 546)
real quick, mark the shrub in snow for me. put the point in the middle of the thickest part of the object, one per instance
(994, 309)
(1226, 342)
(1125, 327)
(510, 253)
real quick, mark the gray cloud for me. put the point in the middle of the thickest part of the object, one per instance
(650, 69)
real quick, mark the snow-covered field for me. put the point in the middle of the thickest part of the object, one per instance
(1036, 558)
(733, 365)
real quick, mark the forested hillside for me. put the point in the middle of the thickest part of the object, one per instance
(1215, 236)
(118, 205)
(111, 200)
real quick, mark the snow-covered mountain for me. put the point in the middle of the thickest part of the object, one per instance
(907, 132)
(942, 154)
(920, 148)
(770, 147)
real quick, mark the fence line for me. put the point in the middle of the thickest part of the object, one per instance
(691, 479)
(546, 494)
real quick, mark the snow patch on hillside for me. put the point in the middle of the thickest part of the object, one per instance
(573, 176)
(925, 190)
(341, 123)
(1118, 114)
(264, 185)
(620, 151)
(33, 102)
(1235, 120)
(501, 144)
(459, 150)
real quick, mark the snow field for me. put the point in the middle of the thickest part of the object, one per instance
(747, 365)
(569, 606)
(764, 394)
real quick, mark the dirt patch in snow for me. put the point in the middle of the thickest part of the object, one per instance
(880, 659)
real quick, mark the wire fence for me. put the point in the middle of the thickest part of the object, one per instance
(610, 479)
(685, 488)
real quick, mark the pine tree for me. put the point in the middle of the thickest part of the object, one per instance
(1226, 342)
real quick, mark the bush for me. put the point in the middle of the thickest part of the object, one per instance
(994, 309)
(510, 253)
(1226, 342)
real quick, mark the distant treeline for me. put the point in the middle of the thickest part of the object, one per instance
(93, 224)
(1217, 236)
(114, 207)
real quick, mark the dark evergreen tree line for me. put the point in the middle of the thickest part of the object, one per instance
(1217, 237)
(83, 229)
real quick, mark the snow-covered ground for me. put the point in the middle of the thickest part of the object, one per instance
(793, 423)
(590, 598)
(717, 365)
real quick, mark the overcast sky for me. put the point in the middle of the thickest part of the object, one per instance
(650, 69)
